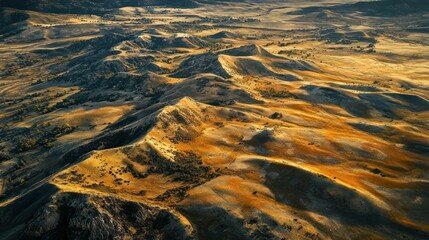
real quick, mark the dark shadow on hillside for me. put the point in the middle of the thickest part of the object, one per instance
(215, 223)
(325, 95)
(15, 215)
(387, 104)
(307, 191)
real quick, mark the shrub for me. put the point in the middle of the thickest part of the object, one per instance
(27, 144)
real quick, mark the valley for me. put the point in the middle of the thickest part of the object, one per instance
(214, 119)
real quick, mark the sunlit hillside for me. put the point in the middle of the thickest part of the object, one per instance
(243, 119)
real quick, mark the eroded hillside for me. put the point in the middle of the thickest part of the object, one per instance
(289, 120)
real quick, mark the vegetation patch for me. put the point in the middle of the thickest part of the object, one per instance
(41, 135)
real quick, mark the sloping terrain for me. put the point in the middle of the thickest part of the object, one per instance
(383, 8)
(89, 6)
(187, 120)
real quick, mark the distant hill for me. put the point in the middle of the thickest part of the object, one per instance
(383, 8)
(8, 16)
(389, 7)
(89, 6)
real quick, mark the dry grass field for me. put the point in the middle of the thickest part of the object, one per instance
(214, 119)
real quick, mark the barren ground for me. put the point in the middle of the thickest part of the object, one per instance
(235, 120)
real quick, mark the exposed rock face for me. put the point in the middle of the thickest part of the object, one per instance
(87, 216)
